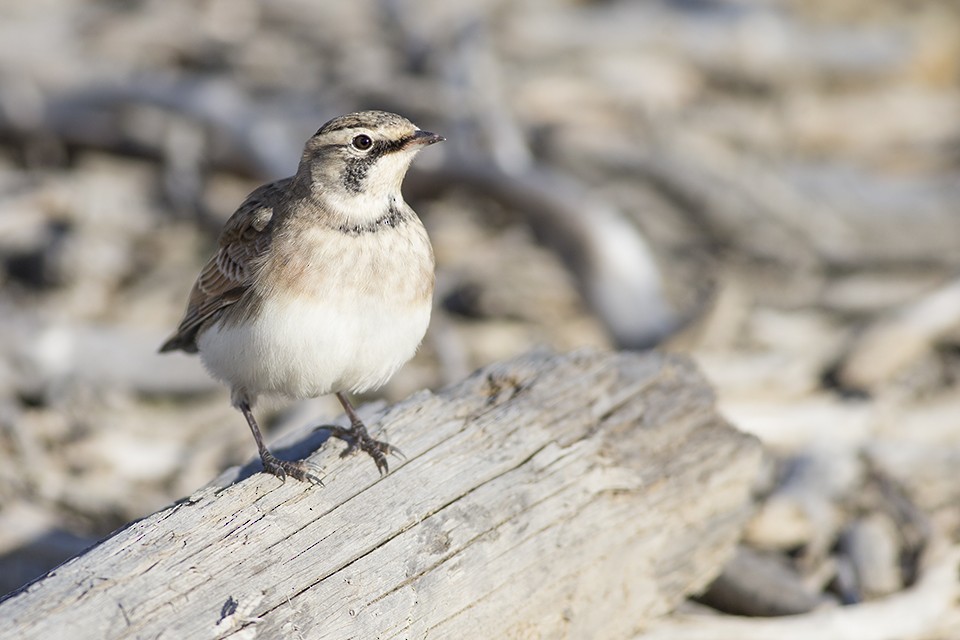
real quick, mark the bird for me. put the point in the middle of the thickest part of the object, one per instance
(322, 282)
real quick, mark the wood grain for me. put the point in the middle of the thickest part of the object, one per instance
(575, 495)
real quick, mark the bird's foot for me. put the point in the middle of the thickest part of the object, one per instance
(295, 469)
(358, 439)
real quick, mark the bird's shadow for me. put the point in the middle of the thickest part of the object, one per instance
(299, 449)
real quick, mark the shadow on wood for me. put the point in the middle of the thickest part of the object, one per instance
(575, 495)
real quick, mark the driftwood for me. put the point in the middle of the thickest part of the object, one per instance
(900, 338)
(610, 260)
(550, 496)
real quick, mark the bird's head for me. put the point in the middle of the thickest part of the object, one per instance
(356, 163)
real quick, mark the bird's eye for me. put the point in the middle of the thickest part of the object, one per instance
(362, 142)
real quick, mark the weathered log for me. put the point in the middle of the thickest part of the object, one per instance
(900, 338)
(550, 496)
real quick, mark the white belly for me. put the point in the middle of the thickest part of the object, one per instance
(307, 347)
(333, 312)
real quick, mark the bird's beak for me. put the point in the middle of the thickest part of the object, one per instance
(423, 138)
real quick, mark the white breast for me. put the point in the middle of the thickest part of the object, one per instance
(344, 315)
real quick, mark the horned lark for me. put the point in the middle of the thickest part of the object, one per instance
(322, 282)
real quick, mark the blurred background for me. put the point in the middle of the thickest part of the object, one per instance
(770, 186)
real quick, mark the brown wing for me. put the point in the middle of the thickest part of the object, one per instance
(229, 273)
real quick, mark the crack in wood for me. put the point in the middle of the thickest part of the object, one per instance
(494, 526)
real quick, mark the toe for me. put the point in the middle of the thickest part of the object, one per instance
(277, 470)
(299, 470)
(304, 474)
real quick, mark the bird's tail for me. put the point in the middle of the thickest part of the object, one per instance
(180, 342)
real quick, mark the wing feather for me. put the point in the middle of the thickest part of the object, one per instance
(232, 270)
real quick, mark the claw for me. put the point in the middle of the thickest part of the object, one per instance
(283, 468)
(271, 463)
(357, 439)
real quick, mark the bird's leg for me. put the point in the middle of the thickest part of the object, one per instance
(271, 463)
(358, 438)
